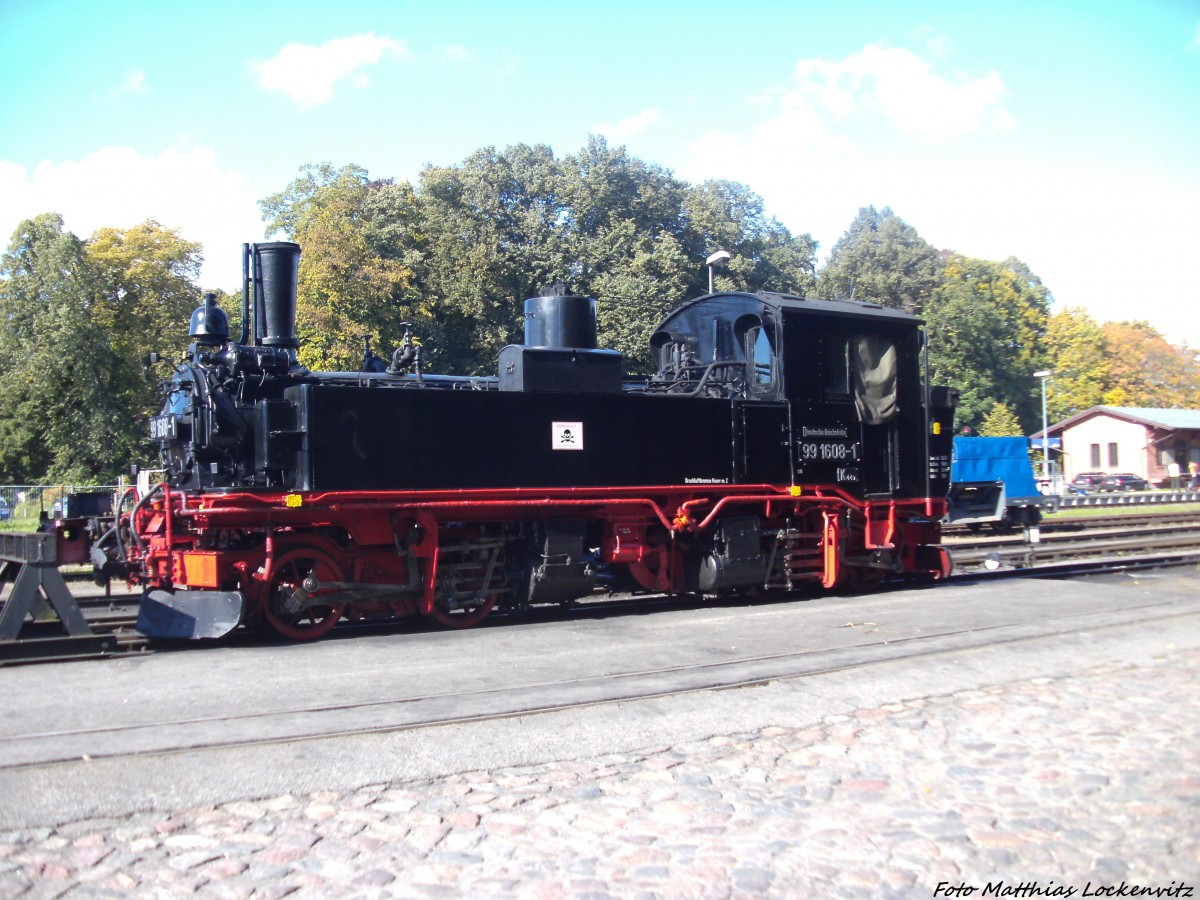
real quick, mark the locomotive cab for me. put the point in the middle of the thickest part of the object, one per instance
(844, 380)
(854, 379)
(722, 345)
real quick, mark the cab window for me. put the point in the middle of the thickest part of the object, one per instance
(759, 350)
(837, 367)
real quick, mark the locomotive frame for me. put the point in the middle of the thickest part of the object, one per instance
(782, 443)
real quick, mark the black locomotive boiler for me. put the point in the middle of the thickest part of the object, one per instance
(782, 443)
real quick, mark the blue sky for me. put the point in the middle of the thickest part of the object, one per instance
(1066, 134)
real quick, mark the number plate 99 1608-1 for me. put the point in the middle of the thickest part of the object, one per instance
(827, 451)
(163, 428)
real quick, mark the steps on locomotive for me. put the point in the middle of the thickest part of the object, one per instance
(796, 557)
(469, 572)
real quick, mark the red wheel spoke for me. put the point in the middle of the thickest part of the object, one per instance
(294, 565)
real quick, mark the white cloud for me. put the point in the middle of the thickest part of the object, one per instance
(840, 137)
(118, 187)
(630, 127)
(847, 136)
(457, 53)
(902, 87)
(935, 42)
(308, 74)
(134, 82)
(812, 176)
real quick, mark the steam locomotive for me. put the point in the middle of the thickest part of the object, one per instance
(782, 443)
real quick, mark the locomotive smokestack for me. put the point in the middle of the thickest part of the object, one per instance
(276, 268)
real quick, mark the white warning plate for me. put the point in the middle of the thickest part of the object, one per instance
(566, 435)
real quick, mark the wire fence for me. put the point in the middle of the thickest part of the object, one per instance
(31, 503)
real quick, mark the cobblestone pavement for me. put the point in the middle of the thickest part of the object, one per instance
(1084, 783)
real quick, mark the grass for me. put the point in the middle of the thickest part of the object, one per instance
(22, 524)
(1083, 512)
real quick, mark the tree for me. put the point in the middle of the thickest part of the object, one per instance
(1001, 422)
(881, 259)
(143, 297)
(625, 243)
(765, 255)
(63, 403)
(459, 253)
(1145, 370)
(503, 224)
(1077, 350)
(967, 340)
(643, 280)
(353, 277)
(987, 324)
(496, 229)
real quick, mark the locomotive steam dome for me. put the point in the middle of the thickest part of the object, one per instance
(560, 320)
(209, 323)
(559, 353)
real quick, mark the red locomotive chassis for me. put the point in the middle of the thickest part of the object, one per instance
(299, 562)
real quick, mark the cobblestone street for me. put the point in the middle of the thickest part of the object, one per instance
(1085, 783)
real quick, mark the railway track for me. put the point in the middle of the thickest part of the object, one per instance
(1065, 524)
(1066, 546)
(553, 668)
(112, 622)
(1099, 542)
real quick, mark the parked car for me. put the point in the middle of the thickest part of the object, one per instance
(1086, 481)
(5, 511)
(1125, 481)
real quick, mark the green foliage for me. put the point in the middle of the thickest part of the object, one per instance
(766, 256)
(987, 325)
(76, 323)
(628, 238)
(1078, 352)
(459, 253)
(495, 232)
(1116, 364)
(967, 351)
(61, 382)
(881, 259)
(353, 279)
(41, 266)
(143, 296)
(1001, 422)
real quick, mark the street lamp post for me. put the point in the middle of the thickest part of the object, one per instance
(1044, 374)
(718, 260)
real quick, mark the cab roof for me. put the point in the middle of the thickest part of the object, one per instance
(784, 302)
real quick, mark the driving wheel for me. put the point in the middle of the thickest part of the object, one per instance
(288, 600)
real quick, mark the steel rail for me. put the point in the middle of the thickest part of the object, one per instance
(712, 675)
(1070, 547)
(1162, 541)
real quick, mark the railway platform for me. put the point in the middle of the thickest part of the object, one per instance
(1061, 765)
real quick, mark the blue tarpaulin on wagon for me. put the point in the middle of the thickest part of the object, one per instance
(995, 459)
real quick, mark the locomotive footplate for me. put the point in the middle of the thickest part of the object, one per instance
(189, 615)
